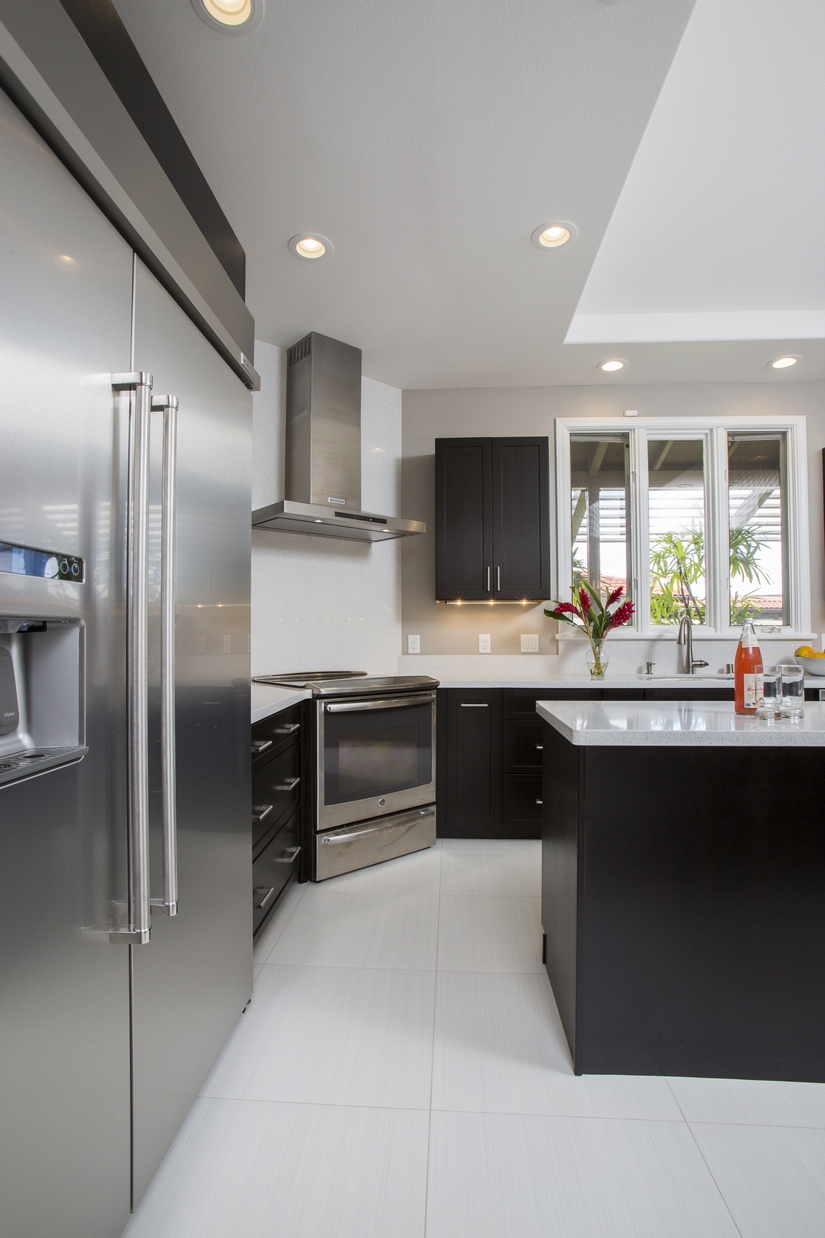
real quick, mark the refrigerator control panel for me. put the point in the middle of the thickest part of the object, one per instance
(48, 564)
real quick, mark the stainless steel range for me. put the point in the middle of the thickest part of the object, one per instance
(373, 745)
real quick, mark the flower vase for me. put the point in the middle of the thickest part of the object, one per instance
(597, 660)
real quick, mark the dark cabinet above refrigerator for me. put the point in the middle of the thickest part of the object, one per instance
(492, 519)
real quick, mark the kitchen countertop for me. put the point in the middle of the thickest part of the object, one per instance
(268, 700)
(619, 682)
(677, 724)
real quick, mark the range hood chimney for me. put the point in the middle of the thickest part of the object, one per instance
(323, 450)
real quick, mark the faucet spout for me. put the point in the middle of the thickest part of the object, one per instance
(685, 637)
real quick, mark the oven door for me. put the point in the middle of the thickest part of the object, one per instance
(375, 757)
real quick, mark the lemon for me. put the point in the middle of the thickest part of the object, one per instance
(805, 651)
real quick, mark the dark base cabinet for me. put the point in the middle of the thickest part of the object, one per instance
(489, 761)
(682, 907)
(276, 804)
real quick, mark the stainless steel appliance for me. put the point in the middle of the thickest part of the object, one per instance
(323, 450)
(374, 759)
(125, 919)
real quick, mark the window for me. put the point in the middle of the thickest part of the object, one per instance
(708, 519)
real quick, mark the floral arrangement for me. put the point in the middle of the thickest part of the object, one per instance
(593, 617)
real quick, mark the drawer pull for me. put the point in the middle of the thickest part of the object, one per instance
(290, 729)
(288, 856)
(289, 785)
(260, 812)
(260, 745)
(474, 705)
(262, 897)
(539, 801)
(539, 747)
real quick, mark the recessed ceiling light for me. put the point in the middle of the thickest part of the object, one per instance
(552, 235)
(782, 363)
(230, 16)
(615, 363)
(310, 245)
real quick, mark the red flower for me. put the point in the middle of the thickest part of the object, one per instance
(622, 615)
(584, 600)
(567, 608)
(615, 595)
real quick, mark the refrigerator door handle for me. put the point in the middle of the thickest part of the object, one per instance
(138, 930)
(168, 905)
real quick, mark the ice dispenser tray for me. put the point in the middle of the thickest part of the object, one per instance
(41, 695)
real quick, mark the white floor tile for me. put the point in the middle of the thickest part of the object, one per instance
(499, 1047)
(490, 932)
(481, 866)
(495, 1175)
(419, 873)
(331, 929)
(332, 1036)
(772, 1178)
(275, 925)
(241, 1169)
(749, 1102)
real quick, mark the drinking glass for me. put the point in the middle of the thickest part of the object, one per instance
(793, 691)
(769, 704)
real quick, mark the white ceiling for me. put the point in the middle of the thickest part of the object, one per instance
(718, 233)
(429, 139)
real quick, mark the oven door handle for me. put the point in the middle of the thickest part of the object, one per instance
(395, 702)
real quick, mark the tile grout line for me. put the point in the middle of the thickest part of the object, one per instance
(432, 1058)
(704, 1159)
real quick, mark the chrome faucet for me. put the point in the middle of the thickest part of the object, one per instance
(685, 637)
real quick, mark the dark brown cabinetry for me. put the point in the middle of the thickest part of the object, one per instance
(490, 749)
(492, 519)
(276, 800)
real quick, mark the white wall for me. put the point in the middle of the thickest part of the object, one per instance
(318, 603)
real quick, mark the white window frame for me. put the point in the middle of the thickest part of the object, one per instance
(714, 433)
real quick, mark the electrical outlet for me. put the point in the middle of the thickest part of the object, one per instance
(413, 644)
(484, 642)
(529, 642)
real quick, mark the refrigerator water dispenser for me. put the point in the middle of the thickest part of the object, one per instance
(41, 696)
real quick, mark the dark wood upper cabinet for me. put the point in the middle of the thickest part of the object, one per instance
(492, 519)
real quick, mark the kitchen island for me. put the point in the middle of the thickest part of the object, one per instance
(683, 888)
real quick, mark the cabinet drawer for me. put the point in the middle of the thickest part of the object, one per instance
(273, 869)
(276, 788)
(522, 802)
(272, 734)
(521, 702)
(523, 745)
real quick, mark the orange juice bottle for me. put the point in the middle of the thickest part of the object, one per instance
(747, 671)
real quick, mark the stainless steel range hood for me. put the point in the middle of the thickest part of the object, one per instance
(323, 450)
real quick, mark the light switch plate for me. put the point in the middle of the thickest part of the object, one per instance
(529, 642)
(413, 644)
(484, 642)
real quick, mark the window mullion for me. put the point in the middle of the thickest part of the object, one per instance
(716, 531)
(640, 530)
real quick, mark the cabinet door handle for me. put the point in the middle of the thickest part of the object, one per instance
(260, 745)
(290, 729)
(498, 580)
(474, 705)
(288, 856)
(260, 812)
(539, 747)
(289, 785)
(489, 579)
(262, 897)
(539, 801)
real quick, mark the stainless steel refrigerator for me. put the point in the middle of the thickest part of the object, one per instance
(124, 646)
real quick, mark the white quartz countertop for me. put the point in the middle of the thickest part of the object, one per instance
(708, 724)
(619, 682)
(268, 700)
